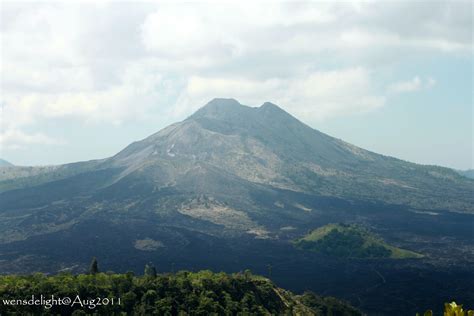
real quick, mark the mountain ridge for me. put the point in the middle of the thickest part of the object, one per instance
(4, 163)
(469, 173)
(268, 146)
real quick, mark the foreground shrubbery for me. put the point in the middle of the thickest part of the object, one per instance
(184, 293)
(451, 309)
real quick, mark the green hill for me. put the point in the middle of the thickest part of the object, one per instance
(353, 241)
(184, 293)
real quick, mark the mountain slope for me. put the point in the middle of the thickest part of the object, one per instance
(17, 177)
(217, 166)
(467, 173)
(4, 163)
(267, 146)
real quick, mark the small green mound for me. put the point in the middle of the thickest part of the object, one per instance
(351, 241)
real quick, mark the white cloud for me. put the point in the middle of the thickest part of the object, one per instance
(181, 33)
(223, 31)
(314, 96)
(140, 90)
(116, 62)
(412, 85)
(16, 139)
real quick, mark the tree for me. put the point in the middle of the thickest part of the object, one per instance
(269, 267)
(150, 271)
(247, 275)
(94, 267)
(129, 299)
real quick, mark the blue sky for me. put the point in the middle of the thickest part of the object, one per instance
(81, 81)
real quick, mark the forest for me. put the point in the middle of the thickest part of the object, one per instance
(181, 293)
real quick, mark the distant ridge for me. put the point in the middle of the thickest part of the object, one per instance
(4, 163)
(467, 173)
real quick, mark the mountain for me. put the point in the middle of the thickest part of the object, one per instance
(230, 188)
(4, 163)
(267, 146)
(467, 173)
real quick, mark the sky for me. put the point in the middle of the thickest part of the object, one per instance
(82, 80)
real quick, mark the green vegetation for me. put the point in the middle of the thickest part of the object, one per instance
(184, 293)
(451, 309)
(350, 241)
(327, 305)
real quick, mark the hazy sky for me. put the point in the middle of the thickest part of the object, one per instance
(81, 81)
